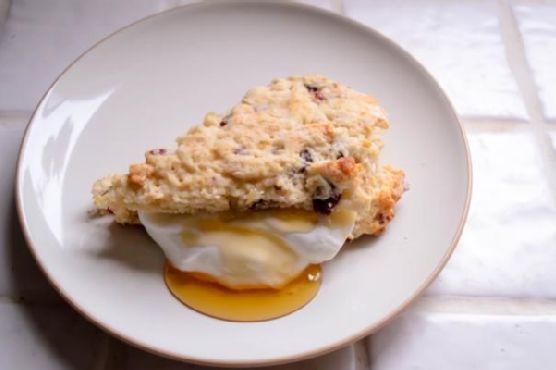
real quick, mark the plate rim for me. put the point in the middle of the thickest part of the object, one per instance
(270, 361)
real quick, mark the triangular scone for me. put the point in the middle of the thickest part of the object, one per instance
(302, 142)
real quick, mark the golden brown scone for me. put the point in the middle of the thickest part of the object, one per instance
(302, 142)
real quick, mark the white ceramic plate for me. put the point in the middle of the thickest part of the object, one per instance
(149, 82)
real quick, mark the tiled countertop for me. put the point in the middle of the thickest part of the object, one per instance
(492, 307)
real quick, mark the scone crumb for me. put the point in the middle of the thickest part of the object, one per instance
(347, 165)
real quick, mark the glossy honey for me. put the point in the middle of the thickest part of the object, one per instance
(242, 305)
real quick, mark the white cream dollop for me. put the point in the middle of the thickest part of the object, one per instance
(255, 249)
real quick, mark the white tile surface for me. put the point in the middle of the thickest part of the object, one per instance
(41, 38)
(19, 275)
(46, 338)
(507, 247)
(4, 8)
(459, 43)
(459, 341)
(124, 357)
(537, 23)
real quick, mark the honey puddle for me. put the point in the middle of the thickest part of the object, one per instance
(242, 305)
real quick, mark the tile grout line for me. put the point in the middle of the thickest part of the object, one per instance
(493, 306)
(432, 303)
(15, 113)
(9, 299)
(517, 60)
(360, 354)
(481, 125)
(337, 6)
(13, 119)
(32, 302)
(368, 342)
(101, 362)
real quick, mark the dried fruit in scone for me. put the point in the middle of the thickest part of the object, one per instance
(301, 142)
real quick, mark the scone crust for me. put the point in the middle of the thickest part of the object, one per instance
(297, 143)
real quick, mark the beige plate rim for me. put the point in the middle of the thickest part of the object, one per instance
(250, 363)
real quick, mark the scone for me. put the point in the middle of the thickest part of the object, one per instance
(300, 143)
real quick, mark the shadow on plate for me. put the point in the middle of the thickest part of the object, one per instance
(48, 322)
(130, 246)
(365, 241)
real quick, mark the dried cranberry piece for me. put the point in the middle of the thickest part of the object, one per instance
(312, 89)
(260, 204)
(225, 121)
(306, 155)
(382, 219)
(315, 90)
(240, 151)
(325, 205)
(158, 151)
